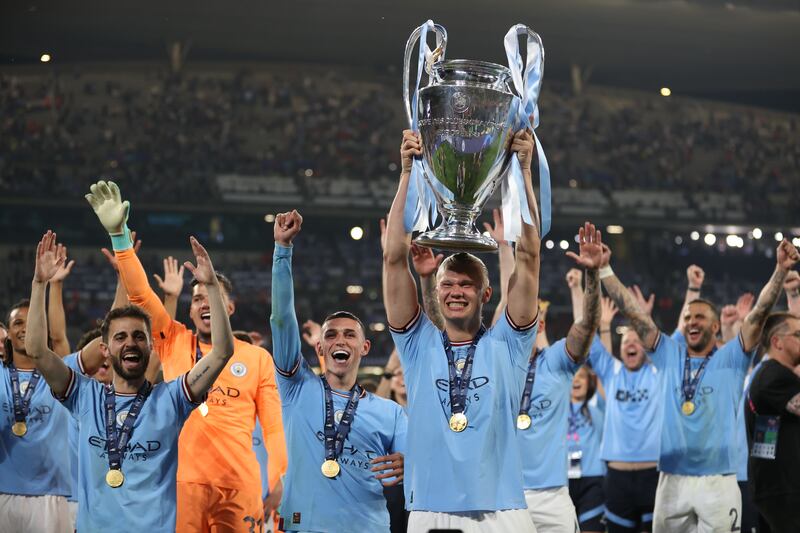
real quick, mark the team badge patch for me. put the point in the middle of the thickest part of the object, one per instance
(238, 369)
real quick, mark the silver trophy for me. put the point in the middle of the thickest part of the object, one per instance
(466, 118)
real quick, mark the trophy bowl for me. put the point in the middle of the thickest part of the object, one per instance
(465, 124)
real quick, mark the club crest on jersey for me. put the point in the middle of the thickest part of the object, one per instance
(238, 369)
(121, 416)
(337, 416)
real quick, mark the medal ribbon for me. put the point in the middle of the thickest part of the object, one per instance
(22, 402)
(335, 437)
(689, 385)
(573, 424)
(525, 405)
(117, 441)
(459, 384)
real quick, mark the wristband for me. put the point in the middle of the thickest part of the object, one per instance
(693, 289)
(605, 272)
(122, 241)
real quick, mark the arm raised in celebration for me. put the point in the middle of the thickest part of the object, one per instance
(205, 372)
(581, 334)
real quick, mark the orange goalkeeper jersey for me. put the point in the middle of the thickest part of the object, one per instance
(216, 449)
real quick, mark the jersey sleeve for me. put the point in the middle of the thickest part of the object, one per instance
(400, 430)
(602, 362)
(780, 386)
(734, 354)
(181, 396)
(665, 352)
(77, 396)
(560, 359)
(134, 278)
(283, 320)
(414, 338)
(268, 402)
(519, 339)
(73, 361)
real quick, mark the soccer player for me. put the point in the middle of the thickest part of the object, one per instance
(584, 436)
(339, 434)
(702, 386)
(542, 420)
(464, 469)
(222, 490)
(34, 474)
(772, 412)
(631, 428)
(129, 429)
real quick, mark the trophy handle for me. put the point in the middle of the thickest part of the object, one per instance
(522, 29)
(438, 55)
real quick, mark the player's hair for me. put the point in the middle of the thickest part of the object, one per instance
(243, 336)
(774, 325)
(223, 280)
(88, 337)
(464, 263)
(128, 311)
(710, 305)
(345, 314)
(8, 349)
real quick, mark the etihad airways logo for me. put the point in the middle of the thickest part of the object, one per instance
(134, 451)
(475, 391)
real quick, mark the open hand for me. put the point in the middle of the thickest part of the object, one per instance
(646, 304)
(496, 229)
(49, 258)
(392, 466)
(608, 310)
(204, 271)
(425, 263)
(64, 270)
(590, 246)
(107, 203)
(172, 283)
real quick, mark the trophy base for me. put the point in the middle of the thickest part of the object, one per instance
(457, 239)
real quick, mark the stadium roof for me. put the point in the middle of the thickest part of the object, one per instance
(741, 50)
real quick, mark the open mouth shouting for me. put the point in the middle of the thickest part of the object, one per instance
(132, 359)
(206, 318)
(456, 306)
(340, 357)
(693, 335)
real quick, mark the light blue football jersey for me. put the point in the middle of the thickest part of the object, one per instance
(73, 361)
(703, 443)
(150, 461)
(633, 412)
(34, 464)
(543, 446)
(261, 456)
(589, 432)
(353, 500)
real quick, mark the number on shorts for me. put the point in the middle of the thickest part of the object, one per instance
(734, 512)
(252, 523)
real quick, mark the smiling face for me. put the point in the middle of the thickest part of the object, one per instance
(701, 326)
(200, 311)
(128, 347)
(461, 296)
(398, 384)
(342, 344)
(17, 322)
(580, 385)
(631, 350)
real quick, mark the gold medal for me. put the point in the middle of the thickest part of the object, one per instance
(330, 468)
(203, 408)
(523, 421)
(687, 408)
(458, 422)
(460, 364)
(115, 478)
(19, 428)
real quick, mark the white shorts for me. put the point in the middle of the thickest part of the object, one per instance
(552, 510)
(34, 514)
(516, 520)
(701, 504)
(73, 514)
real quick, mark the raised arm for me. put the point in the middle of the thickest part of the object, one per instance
(56, 318)
(106, 200)
(792, 287)
(205, 372)
(426, 264)
(581, 334)
(283, 321)
(640, 320)
(523, 286)
(607, 313)
(574, 281)
(786, 257)
(171, 284)
(399, 288)
(49, 257)
(694, 282)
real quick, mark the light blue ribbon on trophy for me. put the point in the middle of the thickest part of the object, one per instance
(420, 210)
(528, 90)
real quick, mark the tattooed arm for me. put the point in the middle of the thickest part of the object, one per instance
(639, 319)
(580, 334)
(786, 257)
(427, 265)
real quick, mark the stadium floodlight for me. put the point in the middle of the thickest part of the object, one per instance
(269, 218)
(356, 232)
(45, 58)
(778, 236)
(694, 235)
(732, 240)
(666, 91)
(796, 241)
(678, 240)
(549, 244)
(614, 229)
(377, 326)
(710, 239)
(354, 289)
(563, 245)
(757, 233)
